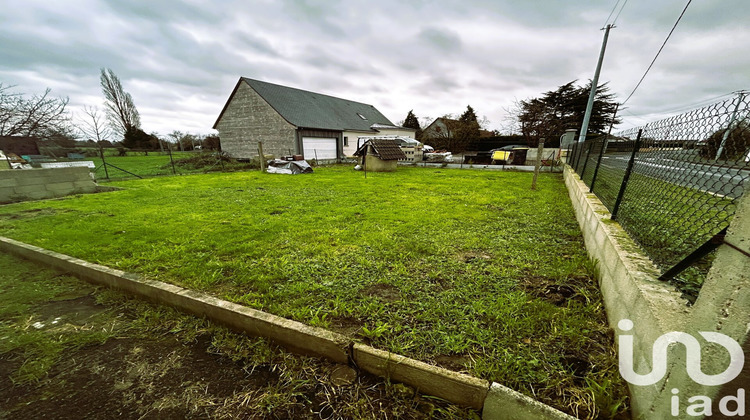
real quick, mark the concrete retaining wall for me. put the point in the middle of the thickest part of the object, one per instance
(496, 401)
(38, 184)
(629, 285)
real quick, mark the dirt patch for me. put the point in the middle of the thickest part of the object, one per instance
(494, 207)
(131, 378)
(578, 366)
(77, 311)
(454, 362)
(25, 214)
(474, 256)
(551, 291)
(383, 291)
(346, 326)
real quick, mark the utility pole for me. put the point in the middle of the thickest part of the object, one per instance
(594, 85)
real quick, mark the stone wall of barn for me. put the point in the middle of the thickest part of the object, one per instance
(249, 119)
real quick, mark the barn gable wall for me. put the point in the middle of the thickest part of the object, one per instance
(249, 119)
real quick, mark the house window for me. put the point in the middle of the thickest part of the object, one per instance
(361, 116)
(346, 141)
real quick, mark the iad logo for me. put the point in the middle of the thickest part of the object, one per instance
(693, 362)
(701, 404)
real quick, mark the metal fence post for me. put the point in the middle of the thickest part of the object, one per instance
(104, 162)
(598, 163)
(577, 154)
(169, 149)
(626, 178)
(588, 153)
(729, 127)
(604, 146)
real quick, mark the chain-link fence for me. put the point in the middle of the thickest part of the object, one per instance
(673, 184)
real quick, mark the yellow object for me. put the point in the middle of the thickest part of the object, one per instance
(501, 155)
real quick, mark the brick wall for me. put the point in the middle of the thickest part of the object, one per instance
(37, 184)
(249, 119)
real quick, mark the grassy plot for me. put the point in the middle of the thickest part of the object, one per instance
(68, 350)
(466, 269)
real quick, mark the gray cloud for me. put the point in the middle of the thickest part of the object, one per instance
(442, 40)
(181, 59)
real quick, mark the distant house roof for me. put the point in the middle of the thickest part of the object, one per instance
(389, 126)
(305, 109)
(442, 123)
(385, 149)
(19, 145)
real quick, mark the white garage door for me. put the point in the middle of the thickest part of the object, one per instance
(323, 148)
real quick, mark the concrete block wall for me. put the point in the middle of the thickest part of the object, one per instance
(546, 153)
(629, 286)
(37, 184)
(249, 119)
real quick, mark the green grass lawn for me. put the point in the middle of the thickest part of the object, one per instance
(466, 269)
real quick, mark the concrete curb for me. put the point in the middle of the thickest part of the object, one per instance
(433, 380)
(505, 403)
(496, 401)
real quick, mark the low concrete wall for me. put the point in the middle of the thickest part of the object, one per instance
(547, 153)
(627, 280)
(38, 184)
(629, 286)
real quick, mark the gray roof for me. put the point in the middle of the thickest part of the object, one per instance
(385, 149)
(305, 109)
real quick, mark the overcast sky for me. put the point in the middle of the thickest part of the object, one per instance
(181, 60)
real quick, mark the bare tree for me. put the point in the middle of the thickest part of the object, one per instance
(39, 116)
(510, 123)
(177, 136)
(92, 125)
(121, 111)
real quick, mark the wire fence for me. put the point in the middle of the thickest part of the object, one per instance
(674, 184)
(148, 163)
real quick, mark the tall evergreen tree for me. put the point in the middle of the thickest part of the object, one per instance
(467, 128)
(555, 111)
(411, 121)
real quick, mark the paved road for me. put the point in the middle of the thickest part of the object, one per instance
(723, 181)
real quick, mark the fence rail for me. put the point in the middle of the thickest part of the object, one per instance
(673, 184)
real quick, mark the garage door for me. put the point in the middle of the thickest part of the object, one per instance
(323, 148)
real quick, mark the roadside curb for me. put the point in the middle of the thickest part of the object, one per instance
(496, 401)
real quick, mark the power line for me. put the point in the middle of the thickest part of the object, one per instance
(682, 108)
(613, 11)
(659, 52)
(618, 13)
